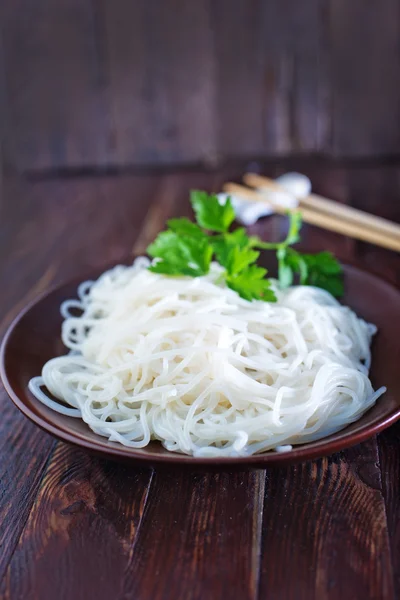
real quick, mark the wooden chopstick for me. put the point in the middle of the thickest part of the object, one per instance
(327, 206)
(320, 219)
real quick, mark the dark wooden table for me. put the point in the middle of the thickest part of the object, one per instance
(74, 527)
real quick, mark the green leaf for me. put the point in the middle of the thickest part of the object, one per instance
(210, 214)
(185, 227)
(222, 249)
(238, 237)
(320, 270)
(239, 259)
(163, 242)
(180, 255)
(251, 284)
(231, 254)
(324, 262)
(224, 243)
(331, 283)
(186, 248)
(326, 272)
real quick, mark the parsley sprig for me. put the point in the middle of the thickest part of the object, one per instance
(187, 248)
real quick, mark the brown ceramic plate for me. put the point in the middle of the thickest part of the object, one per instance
(34, 337)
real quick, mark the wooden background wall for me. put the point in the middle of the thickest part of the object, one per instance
(113, 83)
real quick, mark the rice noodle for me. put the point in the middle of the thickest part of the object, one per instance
(188, 362)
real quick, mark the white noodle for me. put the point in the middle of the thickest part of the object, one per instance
(190, 363)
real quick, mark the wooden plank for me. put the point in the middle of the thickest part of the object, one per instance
(240, 90)
(200, 538)
(87, 223)
(56, 85)
(160, 65)
(173, 200)
(365, 62)
(294, 39)
(325, 532)
(312, 511)
(377, 190)
(80, 535)
(76, 224)
(324, 523)
(270, 99)
(52, 230)
(134, 83)
(387, 203)
(3, 115)
(390, 466)
(21, 469)
(24, 452)
(70, 511)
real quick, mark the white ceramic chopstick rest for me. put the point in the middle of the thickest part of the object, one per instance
(296, 186)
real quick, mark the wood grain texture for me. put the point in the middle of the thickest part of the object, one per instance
(76, 226)
(385, 184)
(24, 453)
(24, 450)
(320, 531)
(389, 454)
(365, 59)
(81, 533)
(53, 232)
(45, 236)
(330, 515)
(116, 84)
(294, 108)
(200, 538)
(241, 93)
(377, 190)
(56, 87)
(160, 65)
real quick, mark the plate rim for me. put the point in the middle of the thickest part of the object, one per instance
(111, 450)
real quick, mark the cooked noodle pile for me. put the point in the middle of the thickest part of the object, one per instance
(188, 362)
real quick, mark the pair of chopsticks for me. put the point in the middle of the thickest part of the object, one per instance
(322, 212)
